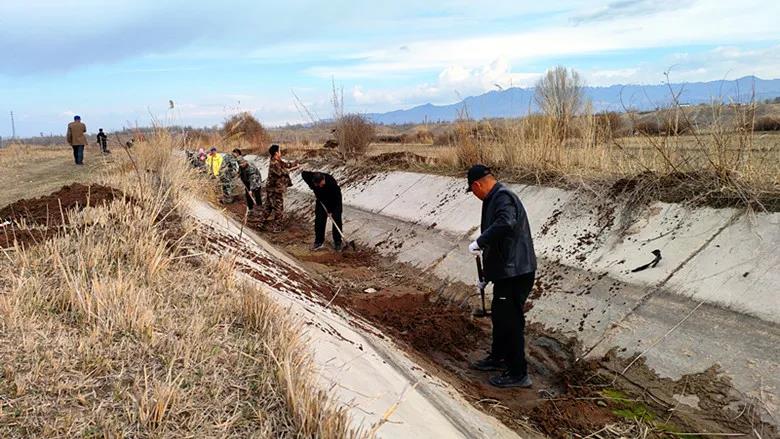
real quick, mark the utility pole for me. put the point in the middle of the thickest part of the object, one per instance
(13, 126)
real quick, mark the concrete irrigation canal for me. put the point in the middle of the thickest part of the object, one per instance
(643, 313)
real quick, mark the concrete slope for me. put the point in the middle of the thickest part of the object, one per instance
(713, 299)
(354, 362)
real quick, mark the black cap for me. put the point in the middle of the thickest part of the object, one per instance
(475, 173)
(273, 149)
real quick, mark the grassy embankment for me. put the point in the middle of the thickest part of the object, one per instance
(121, 325)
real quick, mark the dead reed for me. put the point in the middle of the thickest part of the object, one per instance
(725, 163)
(120, 326)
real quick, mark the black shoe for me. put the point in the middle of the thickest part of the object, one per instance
(317, 246)
(488, 363)
(338, 247)
(506, 381)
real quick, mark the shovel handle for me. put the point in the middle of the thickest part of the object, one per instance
(481, 275)
(480, 272)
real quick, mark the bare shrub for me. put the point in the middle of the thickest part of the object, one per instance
(559, 95)
(446, 138)
(391, 138)
(648, 127)
(423, 135)
(767, 123)
(245, 127)
(609, 123)
(354, 133)
(670, 125)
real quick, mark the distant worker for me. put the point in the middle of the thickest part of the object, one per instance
(277, 184)
(510, 263)
(327, 194)
(214, 162)
(77, 138)
(227, 175)
(196, 160)
(102, 140)
(253, 182)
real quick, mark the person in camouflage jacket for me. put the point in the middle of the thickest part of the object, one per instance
(278, 182)
(253, 181)
(227, 174)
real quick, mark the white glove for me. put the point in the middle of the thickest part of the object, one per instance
(474, 248)
(482, 284)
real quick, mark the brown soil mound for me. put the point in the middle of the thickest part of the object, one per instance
(44, 215)
(428, 326)
(49, 210)
(396, 159)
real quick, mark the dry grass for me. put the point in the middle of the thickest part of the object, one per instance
(724, 164)
(245, 127)
(120, 327)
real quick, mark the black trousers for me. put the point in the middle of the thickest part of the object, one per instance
(320, 219)
(258, 196)
(78, 154)
(509, 296)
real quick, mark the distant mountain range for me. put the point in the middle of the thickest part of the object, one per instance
(517, 101)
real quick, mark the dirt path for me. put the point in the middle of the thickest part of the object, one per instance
(37, 173)
(569, 398)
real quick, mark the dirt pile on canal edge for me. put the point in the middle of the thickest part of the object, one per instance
(568, 396)
(41, 217)
(49, 210)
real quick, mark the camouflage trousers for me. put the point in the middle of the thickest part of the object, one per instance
(226, 180)
(274, 208)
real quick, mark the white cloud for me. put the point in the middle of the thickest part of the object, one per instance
(453, 83)
(698, 23)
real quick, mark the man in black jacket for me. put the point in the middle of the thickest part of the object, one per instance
(102, 141)
(328, 196)
(510, 263)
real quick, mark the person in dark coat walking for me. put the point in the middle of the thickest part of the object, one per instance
(328, 202)
(510, 264)
(102, 140)
(77, 138)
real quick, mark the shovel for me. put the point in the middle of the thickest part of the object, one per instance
(479, 313)
(346, 243)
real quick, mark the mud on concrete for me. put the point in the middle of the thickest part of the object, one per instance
(571, 397)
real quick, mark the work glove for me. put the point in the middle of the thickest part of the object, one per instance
(474, 248)
(482, 284)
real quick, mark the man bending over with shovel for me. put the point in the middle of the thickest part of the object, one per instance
(327, 204)
(510, 263)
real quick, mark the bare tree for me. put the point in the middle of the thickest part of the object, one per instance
(354, 132)
(559, 94)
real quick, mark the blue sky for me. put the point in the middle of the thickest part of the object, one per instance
(118, 63)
